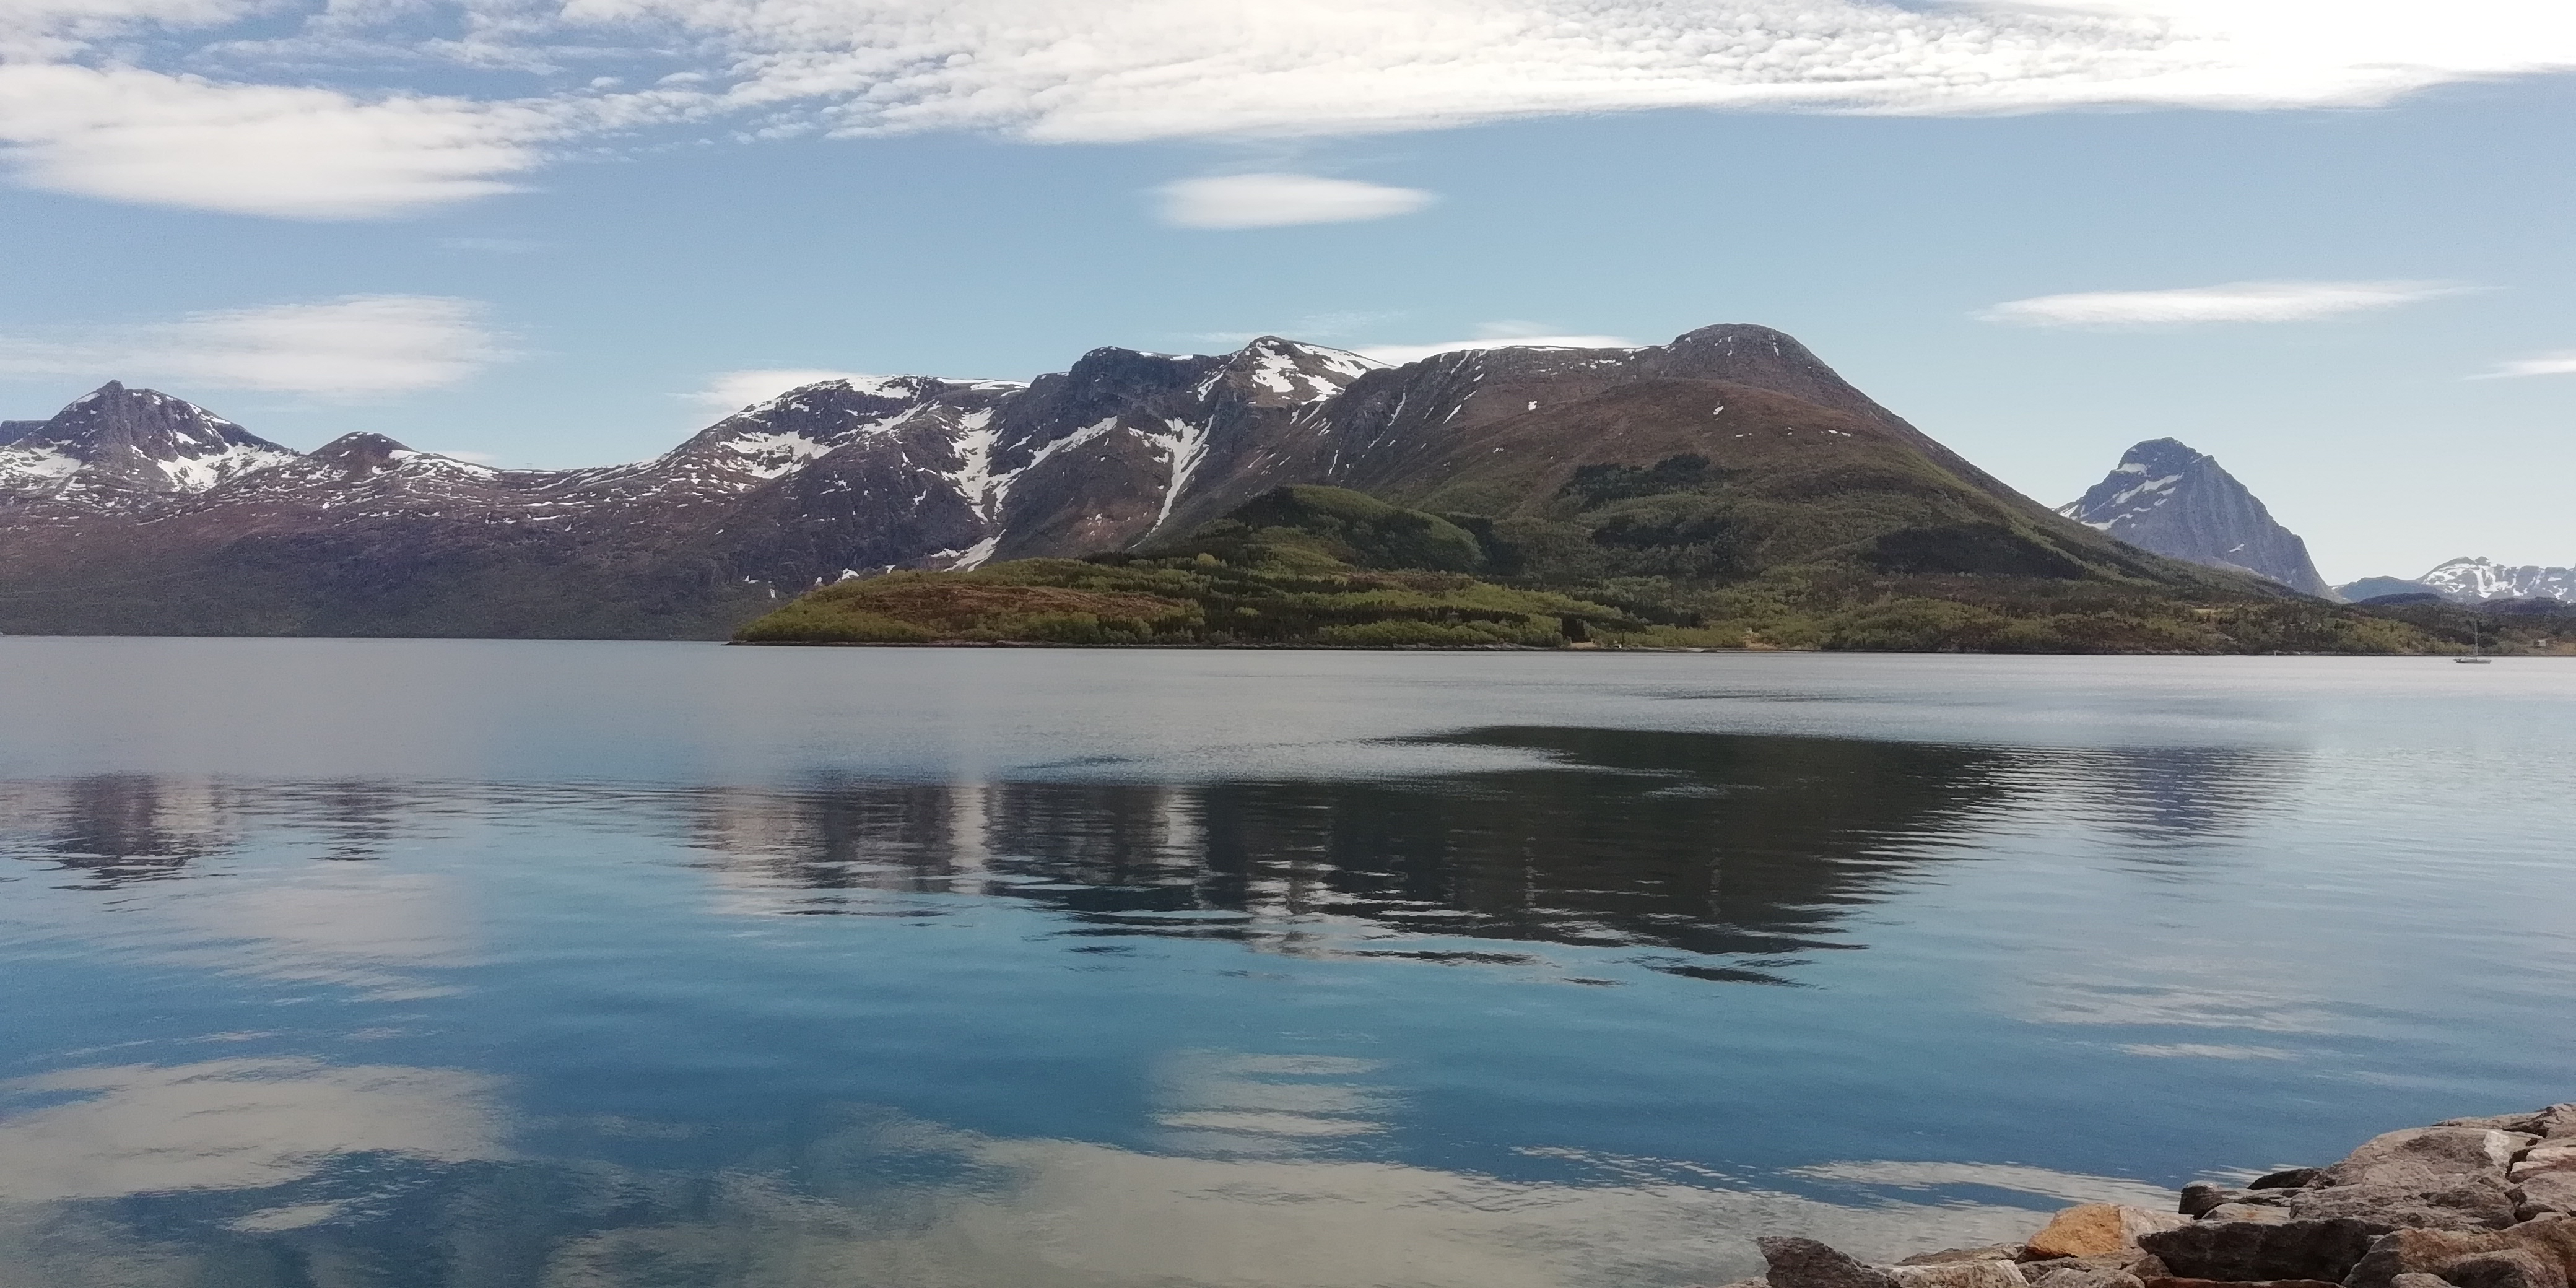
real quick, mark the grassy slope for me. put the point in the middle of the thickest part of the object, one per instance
(1325, 566)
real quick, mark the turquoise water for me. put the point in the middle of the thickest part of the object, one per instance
(495, 963)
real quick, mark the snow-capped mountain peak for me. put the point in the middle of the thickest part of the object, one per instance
(1278, 371)
(2483, 579)
(115, 442)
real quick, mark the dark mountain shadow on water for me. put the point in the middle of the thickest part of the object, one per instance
(1706, 844)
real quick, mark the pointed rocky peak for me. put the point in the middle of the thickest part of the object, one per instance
(115, 439)
(2149, 475)
(2166, 497)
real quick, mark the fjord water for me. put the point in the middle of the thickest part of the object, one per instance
(490, 963)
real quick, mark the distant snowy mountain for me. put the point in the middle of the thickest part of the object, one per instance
(117, 446)
(2167, 498)
(2471, 581)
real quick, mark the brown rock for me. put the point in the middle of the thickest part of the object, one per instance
(2558, 1121)
(2552, 1236)
(2288, 1178)
(2411, 1280)
(2506, 1268)
(2244, 1251)
(2552, 1239)
(2420, 1252)
(2097, 1228)
(1805, 1263)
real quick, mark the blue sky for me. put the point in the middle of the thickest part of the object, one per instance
(2325, 242)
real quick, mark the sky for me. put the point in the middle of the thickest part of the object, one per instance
(2326, 241)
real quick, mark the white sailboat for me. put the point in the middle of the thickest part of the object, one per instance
(2477, 650)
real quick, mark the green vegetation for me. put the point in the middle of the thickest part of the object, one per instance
(1634, 560)
(1326, 573)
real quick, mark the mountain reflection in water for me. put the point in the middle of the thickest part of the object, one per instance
(1721, 846)
(1297, 1022)
(1702, 843)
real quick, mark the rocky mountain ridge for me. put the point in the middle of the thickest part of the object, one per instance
(2467, 580)
(132, 511)
(2165, 497)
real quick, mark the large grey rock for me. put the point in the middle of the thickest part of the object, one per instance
(2558, 1121)
(2058, 1275)
(2428, 1158)
(2479, 1201)
(2527, 1123)
(2558, 1155)
(1988, 1252)
(2200, 1196)
(1805, 1263)
(1966, 1274)
(2246, 1250)
(2268, 1213)
(2288, 1178)
(2506, 1268)
(2545, 1194)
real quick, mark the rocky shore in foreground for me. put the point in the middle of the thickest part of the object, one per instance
(2467, 1203)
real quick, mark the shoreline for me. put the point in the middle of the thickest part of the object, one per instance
(2485, 1202)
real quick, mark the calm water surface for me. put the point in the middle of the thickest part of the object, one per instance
(345, 963)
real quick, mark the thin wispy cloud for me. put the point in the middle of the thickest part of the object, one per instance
(84, 108)
(731, 391)
(2200, 305)
(356, 347)
(2562, 363)
(1494, 335)
(1278, 200)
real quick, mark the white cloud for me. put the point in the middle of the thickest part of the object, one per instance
(1275, 200)
(127, 134)
(1123, 70)
(2232, 302)
(1097, 70)
(2548, 364)
(731, 391)
(1494, 335)
(355, 347)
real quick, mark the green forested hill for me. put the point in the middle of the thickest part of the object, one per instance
(1672, 554)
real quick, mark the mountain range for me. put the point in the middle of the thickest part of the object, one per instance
(2472, 581)
(131, 511)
